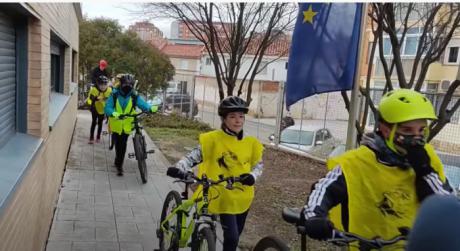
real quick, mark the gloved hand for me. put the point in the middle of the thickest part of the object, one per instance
(247, 179)
(419, 160)
(175, 172)
(115, 114)
(153, 109)
(319, 228)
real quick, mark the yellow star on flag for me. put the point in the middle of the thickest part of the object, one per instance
(308, 15)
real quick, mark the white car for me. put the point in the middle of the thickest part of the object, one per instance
(295, 138)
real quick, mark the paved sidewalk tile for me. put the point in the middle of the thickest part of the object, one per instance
(100, 211)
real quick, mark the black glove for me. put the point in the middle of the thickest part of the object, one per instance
(247, 179)
(319, 228)
(175, 172)
(419, 160)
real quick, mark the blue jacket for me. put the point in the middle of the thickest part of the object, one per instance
(123, 100)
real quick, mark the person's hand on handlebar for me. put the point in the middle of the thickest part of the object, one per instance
(177, 173)
(319, 228)
(247, 179)
(115, 114)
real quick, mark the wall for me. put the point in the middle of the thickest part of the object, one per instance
(25, 222)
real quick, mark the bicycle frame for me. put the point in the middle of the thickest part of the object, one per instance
(200, 217)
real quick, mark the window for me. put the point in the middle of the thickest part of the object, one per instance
(431, 87)
(184, 64)
(57, 63)
(386, 46)
(208, 61)
(453, 55)
(445, 85)
(410, 46)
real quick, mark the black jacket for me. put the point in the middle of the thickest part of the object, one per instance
(96, 72)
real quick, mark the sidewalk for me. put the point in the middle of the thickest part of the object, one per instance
(97, 210)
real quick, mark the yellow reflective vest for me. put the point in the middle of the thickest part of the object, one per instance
(381, 198)
(101, 97)
(123, 125)
(225, 155)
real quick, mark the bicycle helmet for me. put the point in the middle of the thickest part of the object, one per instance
(101, 83)
(232, 104)
(403, 105)
(127, 80)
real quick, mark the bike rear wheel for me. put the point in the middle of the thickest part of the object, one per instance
(271, 243)
(169, 241)
(141, 155)
(205, 240)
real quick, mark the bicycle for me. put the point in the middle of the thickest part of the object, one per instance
(140, 151)
(174, 232)
(339, 238)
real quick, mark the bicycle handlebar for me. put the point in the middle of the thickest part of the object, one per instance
(122, 116)
(191, 178)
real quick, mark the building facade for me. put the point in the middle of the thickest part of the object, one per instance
(39, 67)
(149, 33)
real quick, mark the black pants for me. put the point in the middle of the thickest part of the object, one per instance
(97, 118)
(120, 141)
(232, 225)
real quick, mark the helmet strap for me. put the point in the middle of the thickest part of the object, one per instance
(390, 141)
(238, 135)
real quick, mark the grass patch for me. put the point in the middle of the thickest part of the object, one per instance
(174, 135)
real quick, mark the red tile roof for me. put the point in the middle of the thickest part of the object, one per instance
(183, 50)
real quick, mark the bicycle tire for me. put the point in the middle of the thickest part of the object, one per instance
(271, 243)
(139, 150)
(204, 240)
(174, 243)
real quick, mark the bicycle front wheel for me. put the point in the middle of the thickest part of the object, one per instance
(139, 150)
(205, 240)
(271, 243)
(170, 236)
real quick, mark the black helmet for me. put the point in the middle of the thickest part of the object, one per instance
(127, 79)
(232, 104)
(102, 80)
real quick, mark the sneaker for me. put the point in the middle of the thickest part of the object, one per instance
(119, 171)
(98, 141)
(91, 141)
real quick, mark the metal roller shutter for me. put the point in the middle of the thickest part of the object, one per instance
(7, 78)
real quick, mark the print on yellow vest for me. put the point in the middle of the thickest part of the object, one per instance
(226, 155)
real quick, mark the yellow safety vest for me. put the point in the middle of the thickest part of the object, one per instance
(123, 125)
(239, 157)
(103, 96)
(381, 198)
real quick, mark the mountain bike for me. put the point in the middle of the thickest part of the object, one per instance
(174, 232)
(339, 238)
(140, 151)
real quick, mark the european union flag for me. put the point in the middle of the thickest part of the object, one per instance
(323, 55)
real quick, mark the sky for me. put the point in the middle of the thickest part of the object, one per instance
(121, 11)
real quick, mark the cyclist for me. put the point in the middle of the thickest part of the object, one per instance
(380, 185)
(437, 225)
(97, 96)
(123, 101)
(99, 71)
(229, 153)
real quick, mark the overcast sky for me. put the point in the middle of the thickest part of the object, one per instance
(120, 11)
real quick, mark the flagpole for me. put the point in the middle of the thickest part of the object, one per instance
(351, 130)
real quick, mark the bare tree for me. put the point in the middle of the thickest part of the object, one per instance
(231, 31)
(436, 23)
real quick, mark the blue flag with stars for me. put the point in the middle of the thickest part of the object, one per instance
(323, 54)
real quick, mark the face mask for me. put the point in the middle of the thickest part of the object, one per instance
(126, 89)
(408, 141)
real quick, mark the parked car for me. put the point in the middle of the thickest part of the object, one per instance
(294, 138)
(179, 103)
